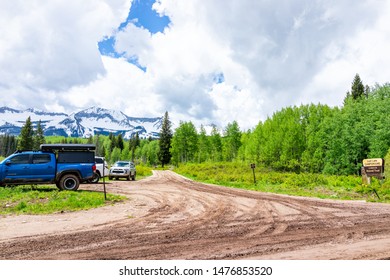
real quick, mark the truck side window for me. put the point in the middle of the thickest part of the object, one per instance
(20, 159)
(41, 158)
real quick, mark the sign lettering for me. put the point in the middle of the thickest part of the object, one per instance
(374, 167)
(373, 162)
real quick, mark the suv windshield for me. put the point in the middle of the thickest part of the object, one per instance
(122, 164)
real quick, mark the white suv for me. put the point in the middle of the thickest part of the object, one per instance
(122, 169)
(101, 169)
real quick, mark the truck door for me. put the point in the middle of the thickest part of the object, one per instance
(42, 168)
(17, 168)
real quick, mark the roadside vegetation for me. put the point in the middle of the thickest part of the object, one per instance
(44, 199)
(143, 171)
(240, 175)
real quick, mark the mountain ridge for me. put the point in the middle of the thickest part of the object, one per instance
(83, 123)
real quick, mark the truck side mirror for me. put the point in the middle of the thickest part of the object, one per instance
(8, 163)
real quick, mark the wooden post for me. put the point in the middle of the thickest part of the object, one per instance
(104, 179)
(253, 170)
(365, 179)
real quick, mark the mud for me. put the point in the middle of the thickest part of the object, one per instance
(170, 217)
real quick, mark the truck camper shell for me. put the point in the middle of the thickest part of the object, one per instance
(67, 147)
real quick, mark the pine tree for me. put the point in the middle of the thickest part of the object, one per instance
(119, 142)
(164, 155)
(358, 89)
(38, 137)
(112, 138)
(134, 143)
(26, 136)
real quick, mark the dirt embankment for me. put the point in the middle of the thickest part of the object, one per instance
(170, 217)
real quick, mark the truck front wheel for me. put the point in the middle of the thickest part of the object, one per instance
(69, 182)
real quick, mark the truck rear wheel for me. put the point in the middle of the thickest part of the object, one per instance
(69, 182)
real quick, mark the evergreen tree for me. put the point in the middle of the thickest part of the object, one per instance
(358, 89)
(26, 136)
(112, 138)
(119, 142)
(164, 155)
(39, 138)
(134, 143)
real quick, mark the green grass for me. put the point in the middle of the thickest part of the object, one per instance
(240, 175)
(48, 199)
(143, 171)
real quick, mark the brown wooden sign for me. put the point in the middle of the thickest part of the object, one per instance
(374, 167)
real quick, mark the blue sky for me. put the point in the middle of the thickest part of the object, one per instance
(202, 61)
(142, 15)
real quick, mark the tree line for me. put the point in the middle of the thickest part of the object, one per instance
(307, 138)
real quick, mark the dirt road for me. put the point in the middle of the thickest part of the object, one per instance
(170, 217)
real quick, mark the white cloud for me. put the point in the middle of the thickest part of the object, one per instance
(125, 87)
(270, 55)
(133, 42)
(52, 45)
(364, 53)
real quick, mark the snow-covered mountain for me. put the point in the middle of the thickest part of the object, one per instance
(84, 123)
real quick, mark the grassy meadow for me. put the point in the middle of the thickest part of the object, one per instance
(240, 175)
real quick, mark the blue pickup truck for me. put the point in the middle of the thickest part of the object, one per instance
(66, 165)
